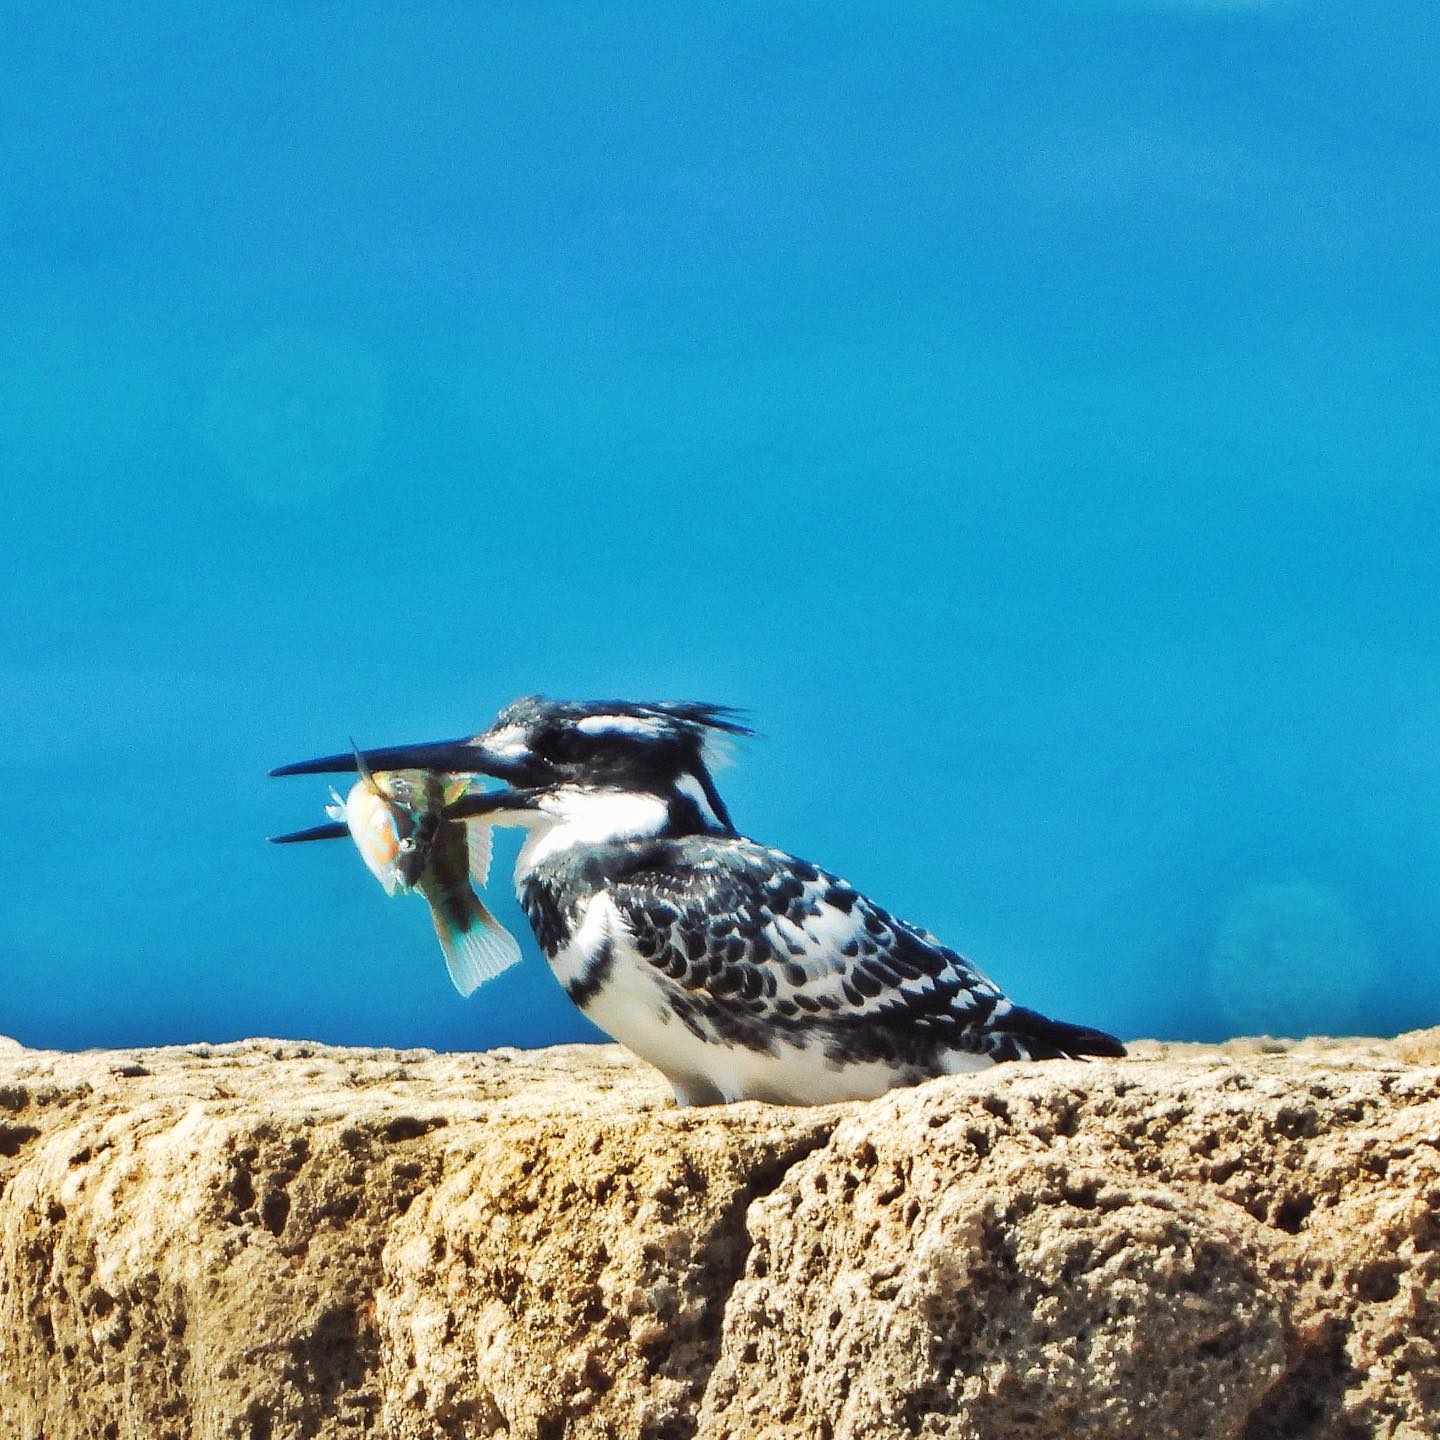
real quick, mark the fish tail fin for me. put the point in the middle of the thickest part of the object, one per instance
(477, 946)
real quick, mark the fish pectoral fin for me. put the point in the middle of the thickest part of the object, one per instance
(477, 842)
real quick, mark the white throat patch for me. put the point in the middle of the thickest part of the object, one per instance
(573, 816)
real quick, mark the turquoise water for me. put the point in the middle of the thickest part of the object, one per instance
(1028, 412)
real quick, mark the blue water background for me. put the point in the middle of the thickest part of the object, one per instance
(1030, 412)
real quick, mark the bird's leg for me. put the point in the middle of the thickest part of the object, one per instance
(694, 1090)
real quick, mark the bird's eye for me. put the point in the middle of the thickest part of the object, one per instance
(561, 743)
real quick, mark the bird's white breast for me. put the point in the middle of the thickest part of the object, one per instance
(633, 1004)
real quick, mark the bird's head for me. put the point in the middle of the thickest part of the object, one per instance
(663, 748)
(559, 758)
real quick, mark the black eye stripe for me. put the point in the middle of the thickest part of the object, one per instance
(566, 743)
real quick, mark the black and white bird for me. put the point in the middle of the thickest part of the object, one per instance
(740, 972)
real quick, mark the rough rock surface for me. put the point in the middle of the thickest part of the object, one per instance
(272, 1240)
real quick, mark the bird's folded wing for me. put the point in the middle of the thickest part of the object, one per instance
(767, 934)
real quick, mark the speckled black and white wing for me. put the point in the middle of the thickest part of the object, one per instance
(757, 943)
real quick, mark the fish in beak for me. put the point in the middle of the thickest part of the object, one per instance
(471, 756)
(402, 825)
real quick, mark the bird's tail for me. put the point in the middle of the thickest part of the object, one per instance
(1021, 1034)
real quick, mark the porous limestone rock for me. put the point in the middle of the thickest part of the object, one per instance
(270, 1240)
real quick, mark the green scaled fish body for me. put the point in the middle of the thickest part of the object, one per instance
(397, 821)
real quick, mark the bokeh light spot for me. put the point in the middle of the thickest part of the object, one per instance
(1291, 958)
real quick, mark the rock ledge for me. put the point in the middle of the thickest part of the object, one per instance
(269, 1240)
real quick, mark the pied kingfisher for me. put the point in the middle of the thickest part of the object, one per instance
(740, 972)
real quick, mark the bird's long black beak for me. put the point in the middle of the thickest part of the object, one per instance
(333, 831)
(447, 757)
(492, 802)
